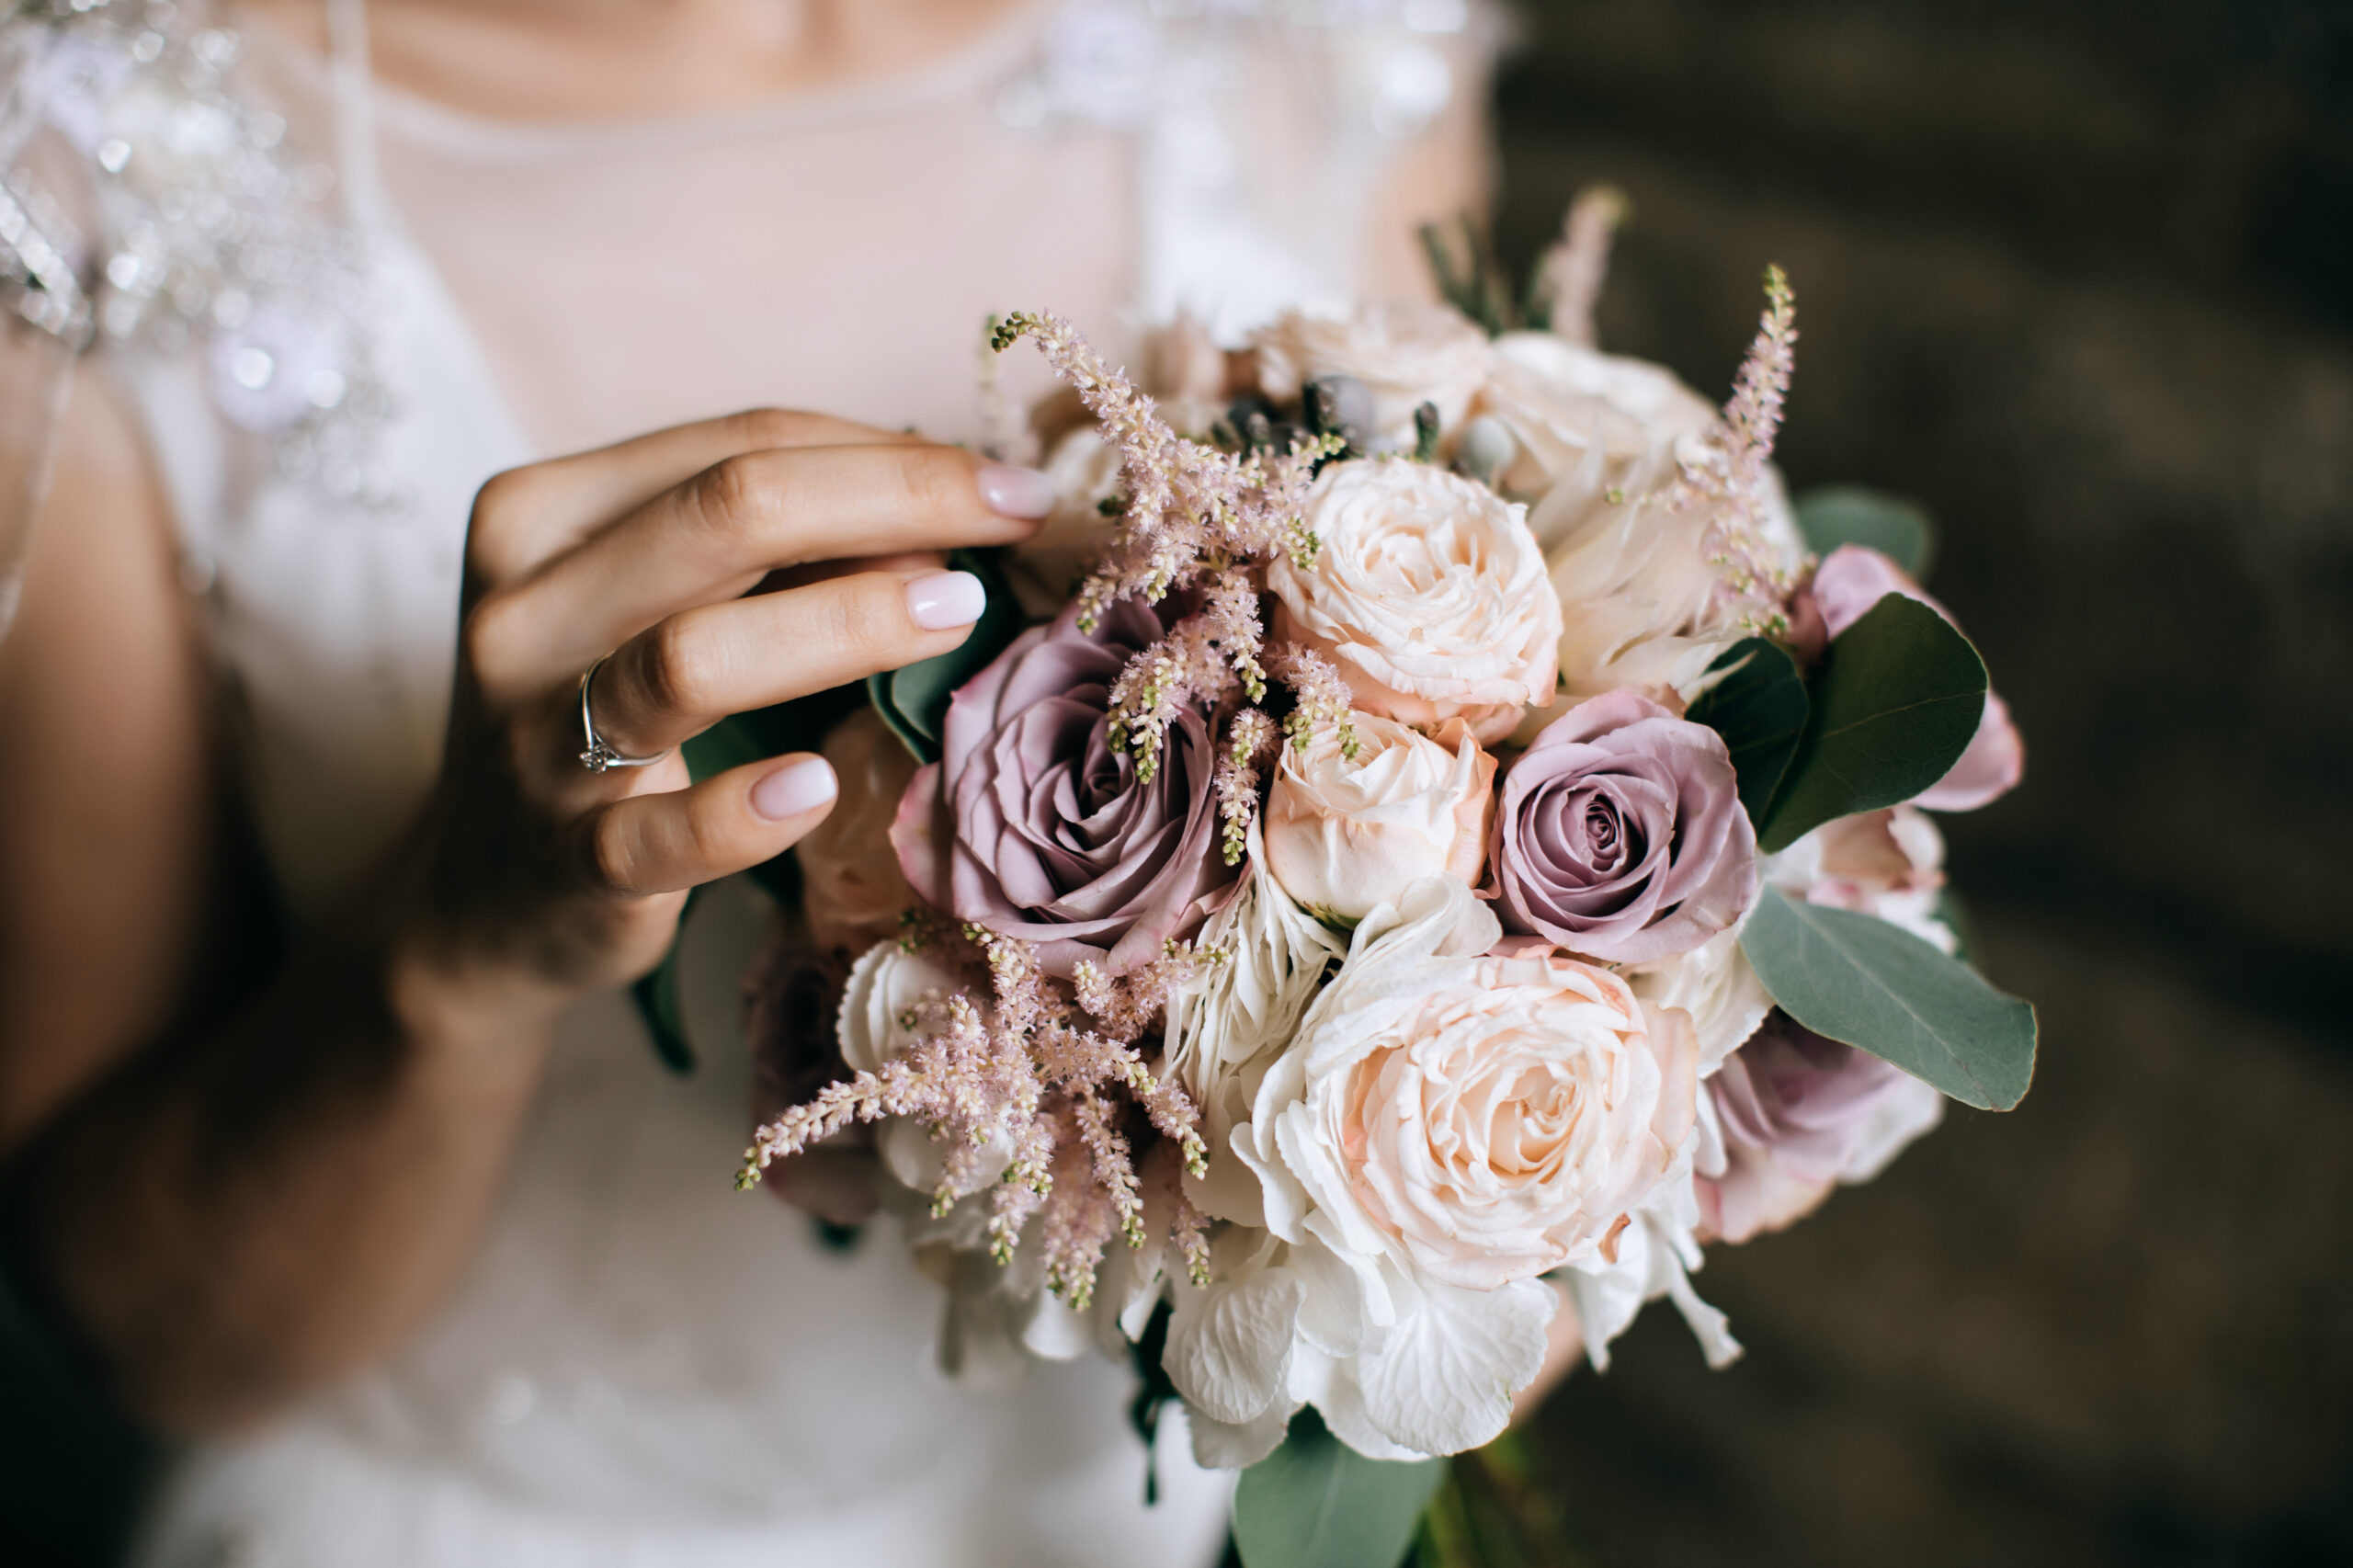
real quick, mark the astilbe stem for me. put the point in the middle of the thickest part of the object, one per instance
(1729, 474)
(1251, 739)
(1190, 1231)
(1574, 268)
(1319, 694)
(1043, 1072)
(1752, 419)
(1193, 515)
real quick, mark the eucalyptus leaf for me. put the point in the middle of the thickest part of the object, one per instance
(1876, 986)
(1894, 704)
(1759, 709)
(1848, 513)
(914, 700)
(1316, 1503)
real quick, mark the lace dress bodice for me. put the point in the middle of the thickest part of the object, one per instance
(643, 1366)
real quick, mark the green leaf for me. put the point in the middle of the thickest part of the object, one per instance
(1878, 987)
(914, 700)
(657, 995)
(731, 742)
(1896, 702)
(1848, 513)
(1760, 710)
(1316, 1503)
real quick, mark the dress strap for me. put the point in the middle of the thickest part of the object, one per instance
(355, 115)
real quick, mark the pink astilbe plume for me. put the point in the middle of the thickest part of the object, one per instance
(1251, 739)
(1322, 696)
(1192, 517)
(1050, 1072)
(1730, 477)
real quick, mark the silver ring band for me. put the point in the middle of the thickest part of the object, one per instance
(600, 755)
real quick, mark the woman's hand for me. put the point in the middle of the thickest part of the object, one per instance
(313, 1171)
(569, 881)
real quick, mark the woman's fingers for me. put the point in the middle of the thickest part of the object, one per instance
(721, 532)
(685, 673)
(526, 516)
(662, 842)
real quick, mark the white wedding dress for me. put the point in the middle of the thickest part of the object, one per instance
(645, 1367)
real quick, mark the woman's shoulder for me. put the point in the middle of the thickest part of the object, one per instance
(157, 211)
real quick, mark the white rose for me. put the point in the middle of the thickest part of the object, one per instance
(1887, 863)
(1429, 594)
(1716, 985)
(1404, 355)
(1343, 833)
(851, 884)
(1585, 424)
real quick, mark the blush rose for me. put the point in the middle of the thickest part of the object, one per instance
(1427, 592)
(1343, 834)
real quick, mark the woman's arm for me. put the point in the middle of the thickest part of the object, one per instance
(108, 795)
(229, 1216)
(160, 1201)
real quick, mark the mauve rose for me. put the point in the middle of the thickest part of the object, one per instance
(1620, 835)
(1851, 579)
(1791, 1115)
(1031, 826)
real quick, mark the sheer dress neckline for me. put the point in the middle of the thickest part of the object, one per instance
(428, 122)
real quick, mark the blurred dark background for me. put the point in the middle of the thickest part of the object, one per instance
(2077, 273)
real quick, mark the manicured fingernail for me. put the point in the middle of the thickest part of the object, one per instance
(1017, 492)
(795, 788)
(941, 600)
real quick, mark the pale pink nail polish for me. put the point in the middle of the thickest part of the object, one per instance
(1017, 492)
(795, 788)
(942, 600)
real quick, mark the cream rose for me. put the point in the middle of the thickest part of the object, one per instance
(1404, 355)
(1429, 595)
(1645, 604)
(1400, 1362)
(1585, 425)
(1481, 1118)
(851, 884)
(1343, 834)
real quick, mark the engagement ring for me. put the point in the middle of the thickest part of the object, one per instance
(600, 755)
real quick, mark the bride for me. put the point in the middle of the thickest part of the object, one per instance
(335, 1147)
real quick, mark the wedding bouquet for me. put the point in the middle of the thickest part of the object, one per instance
(1427, 830)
